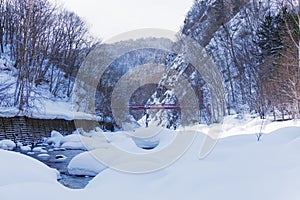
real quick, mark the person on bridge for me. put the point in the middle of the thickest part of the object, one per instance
(208, 114)
(147, 115)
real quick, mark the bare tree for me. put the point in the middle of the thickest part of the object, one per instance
(46, 43)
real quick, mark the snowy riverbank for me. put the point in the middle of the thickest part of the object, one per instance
(239, 167)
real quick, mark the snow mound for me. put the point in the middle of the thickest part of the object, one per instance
(85, 164)
(43, 156)
(39, 149)
(25, 148)
(55, 134)
(55, 139)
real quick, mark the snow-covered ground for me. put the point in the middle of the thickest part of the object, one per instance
(47, 108)
(246, 124)
(239, 167)
(18, 169)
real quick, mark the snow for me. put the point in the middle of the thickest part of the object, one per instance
(49, 109)
(25, 148)
(59, 109)
(16, 169)
(43, 156)
(43, 104)
(79, 140)
(159, 137)
(73, 145)
(46, 107)
(39, 150)
(85, 164)
(55, 134)
(55, 139)
(239, 167)
(7, 145)
(232, 126)
(87, 141)
(71, 138)
(72, 141)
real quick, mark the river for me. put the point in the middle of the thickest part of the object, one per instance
(70, 181)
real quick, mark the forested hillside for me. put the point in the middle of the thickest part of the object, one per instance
(257, 51)
(41, 47)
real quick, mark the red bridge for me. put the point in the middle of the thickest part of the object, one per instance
(155, 107)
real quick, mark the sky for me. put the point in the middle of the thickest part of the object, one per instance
(108, 18)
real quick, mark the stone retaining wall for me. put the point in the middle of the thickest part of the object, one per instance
(26, 129)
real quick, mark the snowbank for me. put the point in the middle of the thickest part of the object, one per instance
(239, 167)
(16, 168)
(58, 109)
(86, 164)
(48, 109)
(232, 126)
(128, 140)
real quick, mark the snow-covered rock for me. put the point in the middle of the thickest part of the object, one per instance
(7, 145)
(59, 149)
(39, 149)
(60, 158)
(78, 140)
(43, 156)
(55, 139)
(25, 148)
(19, 144)
(55, 133)
(85, 164)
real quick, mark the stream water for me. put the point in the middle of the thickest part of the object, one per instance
(74, 182)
